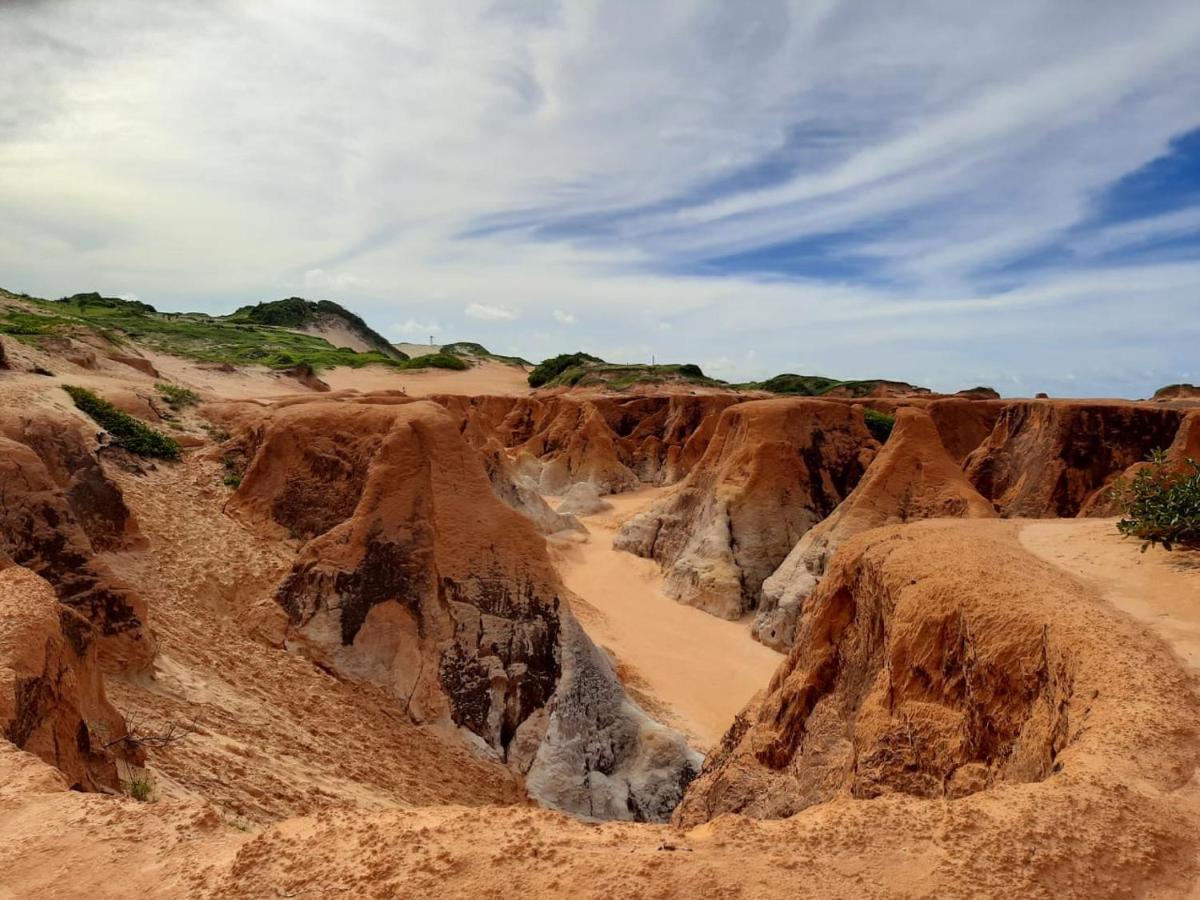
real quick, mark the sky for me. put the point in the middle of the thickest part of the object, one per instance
(946, 193)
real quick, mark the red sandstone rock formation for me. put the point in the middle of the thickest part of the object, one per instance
(925, 664)
(418, 578)
(612, 443)
(963, 424)
(59, 510)
(139, 363)
(912, 478)
(1047, 459)
(305, 374)
(52, 700)
(1106, 502)
(773, 469)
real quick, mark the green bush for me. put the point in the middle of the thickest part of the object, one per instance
(435, 361)
(133, 435)
(1161, 504)
(549, 369)
(880, 424)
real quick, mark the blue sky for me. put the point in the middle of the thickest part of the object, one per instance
(942, 192)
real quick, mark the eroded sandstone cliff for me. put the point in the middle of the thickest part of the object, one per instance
(772, 470)
(912, 478)
(414, 575)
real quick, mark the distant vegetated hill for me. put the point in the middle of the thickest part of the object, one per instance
(315, 316)
(820, 386)
(269, 334)
(1177, 391)
(584, 370)
(472, 350)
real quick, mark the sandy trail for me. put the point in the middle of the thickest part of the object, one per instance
(486, 377)
(260, 383)
(1157, 588)
(694, 671)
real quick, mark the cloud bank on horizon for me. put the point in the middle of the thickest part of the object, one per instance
(947, 193)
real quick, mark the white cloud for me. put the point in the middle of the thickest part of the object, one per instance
(564, 318)
(411, 326)
(129, 295)
(331, 281)
(366, 153)
(486, 313)
(1140, 232)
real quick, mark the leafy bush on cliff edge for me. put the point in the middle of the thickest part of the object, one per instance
(1161, 504)
(880, 424)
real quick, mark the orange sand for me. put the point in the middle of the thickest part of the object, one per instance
(698, 670)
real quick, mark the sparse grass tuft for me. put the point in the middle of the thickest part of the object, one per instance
(177, 397)
(130, 433)
(140, 788)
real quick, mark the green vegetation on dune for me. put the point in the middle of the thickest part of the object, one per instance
(440, 360)
(807, 385)
(220, 339)
(549, 369)
(585, 370)
(177, 397)
(127, 432)
(880, 424)
(296, 312)
(477, 351)
(818, 385)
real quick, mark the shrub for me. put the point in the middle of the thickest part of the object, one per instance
(549, 369)
(177, 397)
(880, 424)
(691, 370)
(135, 436)
(1161, 505)
(435, 361)
(139, 788)
(805, 385)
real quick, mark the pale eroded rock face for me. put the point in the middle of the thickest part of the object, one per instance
(583, 500)
(52, 699)
(912, 478)
(418, 578)
(59, 511)
(773, 470)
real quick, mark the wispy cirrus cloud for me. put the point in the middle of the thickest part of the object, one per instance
(843, 185)
(487, 313)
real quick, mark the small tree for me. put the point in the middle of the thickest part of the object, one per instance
(1161, 504)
